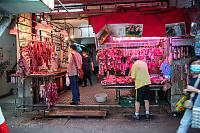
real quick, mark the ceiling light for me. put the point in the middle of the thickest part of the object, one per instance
(75, 10)
(15, 31)
(40, 27)
(48, 27)
(66, 38)
(69, 10)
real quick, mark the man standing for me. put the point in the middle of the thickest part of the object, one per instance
(139, 73)
(74, 59)
(87, 66)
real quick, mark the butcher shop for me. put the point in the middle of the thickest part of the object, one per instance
(164, 38)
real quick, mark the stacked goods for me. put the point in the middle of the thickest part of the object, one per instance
(127, 100)
(158, 80)
(42, 73)
(112, 79)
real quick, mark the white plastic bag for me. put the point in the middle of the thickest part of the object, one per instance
(67, 80)
(42, 91)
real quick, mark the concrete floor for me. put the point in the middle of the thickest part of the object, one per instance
(117, 121)
(33, 122)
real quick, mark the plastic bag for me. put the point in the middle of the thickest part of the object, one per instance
(67, 80)
(180, 104)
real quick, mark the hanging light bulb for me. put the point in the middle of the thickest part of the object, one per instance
(72, 36)
(15, 31)
(40, 27)
(48, 27)
(66, 38)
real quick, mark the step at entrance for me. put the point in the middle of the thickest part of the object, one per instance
(77, 113)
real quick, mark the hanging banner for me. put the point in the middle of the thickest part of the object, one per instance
(125, 30)
(195, 29)
(117, 30)
(102, 35)
(197, 45)
(175, 29)
(134, 30)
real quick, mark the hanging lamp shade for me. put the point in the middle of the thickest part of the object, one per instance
(64, 32)
(48, 27)
(15, 31)
(40, 27)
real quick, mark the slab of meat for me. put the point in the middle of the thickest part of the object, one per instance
(119, 60)
(51, 94)
(23, 68)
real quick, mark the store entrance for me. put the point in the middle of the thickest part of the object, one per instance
(158, 96)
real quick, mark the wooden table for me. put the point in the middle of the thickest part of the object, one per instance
(59, 78)
(128, 87)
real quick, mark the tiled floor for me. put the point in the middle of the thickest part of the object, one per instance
(87, 95)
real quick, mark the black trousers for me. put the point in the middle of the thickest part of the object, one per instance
(87, 75)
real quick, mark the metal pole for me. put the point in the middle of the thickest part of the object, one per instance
(63, 6)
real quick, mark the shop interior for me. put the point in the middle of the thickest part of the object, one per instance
(153, 50)
(43, 51)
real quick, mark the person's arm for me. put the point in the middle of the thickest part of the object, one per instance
(192, 89)
(90, 60)
(129, 74)
(69, 63)
(92, 66)
(133, 73)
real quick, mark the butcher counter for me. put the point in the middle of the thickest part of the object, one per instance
(128, 87)
(27, 97)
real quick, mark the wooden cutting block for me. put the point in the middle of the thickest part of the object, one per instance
(77, 113)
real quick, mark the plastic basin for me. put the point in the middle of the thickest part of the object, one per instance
(101, 98)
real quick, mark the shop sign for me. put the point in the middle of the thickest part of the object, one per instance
(183, 42)
(175, 29)
(197, 45)
(195, 29)
(125, 30)
(117, 30)
(134, 30)
(103, 35)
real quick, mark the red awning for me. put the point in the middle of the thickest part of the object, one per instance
(153, 19)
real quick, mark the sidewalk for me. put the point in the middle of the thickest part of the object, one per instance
(119, 120)
(33, 122)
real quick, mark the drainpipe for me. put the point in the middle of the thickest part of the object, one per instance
(34, 31)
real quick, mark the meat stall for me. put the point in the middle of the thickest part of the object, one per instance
(41, 68)
(160, 38)
(115, 64)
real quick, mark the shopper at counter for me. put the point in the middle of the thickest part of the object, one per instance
(195, 72)
(87, 67)
(73, 73)
(139, 73)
